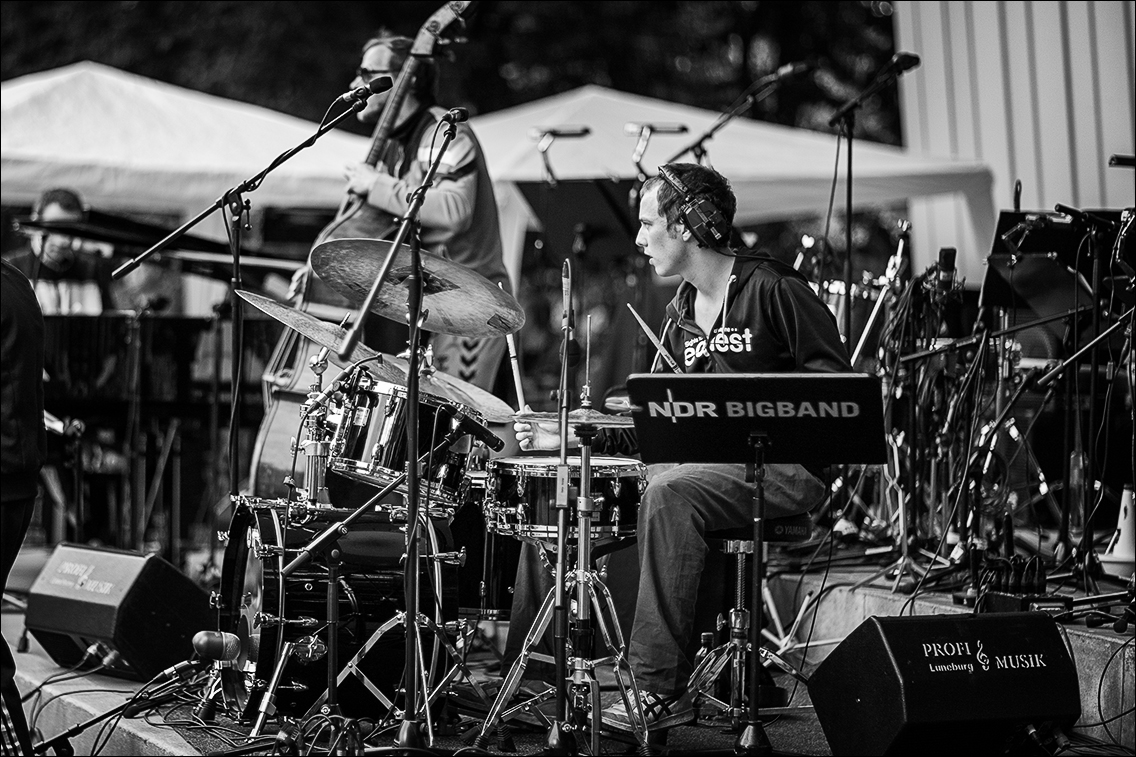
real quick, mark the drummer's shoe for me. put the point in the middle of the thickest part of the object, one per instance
(659, 712)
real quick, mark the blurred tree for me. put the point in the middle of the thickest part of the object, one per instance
(295, 57)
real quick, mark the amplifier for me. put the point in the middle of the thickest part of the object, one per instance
(944, 684)
(138, 606)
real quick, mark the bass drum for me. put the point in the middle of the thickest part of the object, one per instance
(264, 609)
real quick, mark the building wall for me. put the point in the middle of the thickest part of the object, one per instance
(1040, 90)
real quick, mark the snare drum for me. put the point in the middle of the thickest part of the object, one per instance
(520, 497)
(264, 609)
(369, 441)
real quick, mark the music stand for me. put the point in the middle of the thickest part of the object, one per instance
(758, 418)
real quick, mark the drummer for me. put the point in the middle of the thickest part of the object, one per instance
(459, 213)
(734, 312)
(69, 276)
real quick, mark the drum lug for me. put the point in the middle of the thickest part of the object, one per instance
(268, 550)
(450, 558)
(264, 620)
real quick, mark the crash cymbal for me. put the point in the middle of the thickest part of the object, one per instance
(391, 369)
(491, 408)
(327, 335)
(580, 417)
(457, 300)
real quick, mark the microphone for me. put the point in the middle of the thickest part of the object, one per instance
(634, 128)
(947, 273)
(376, 86)
(217, 645)
(1085, 219)
(796, 69)
(566, 295)
(899, 63)
(482, 434)
(456, 116)
(566, 131)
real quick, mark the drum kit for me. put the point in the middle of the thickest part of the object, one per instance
(305, 578)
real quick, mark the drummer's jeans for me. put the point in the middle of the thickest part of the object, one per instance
(681, 504)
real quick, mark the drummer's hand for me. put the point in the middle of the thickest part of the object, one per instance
(532, 436)
(360, 178)
(299, 283)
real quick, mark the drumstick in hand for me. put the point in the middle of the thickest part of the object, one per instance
(516, 368)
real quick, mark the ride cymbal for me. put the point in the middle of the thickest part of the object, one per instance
(390, 368)
(457, 300)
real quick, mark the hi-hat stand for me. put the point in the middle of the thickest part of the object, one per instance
(586, 583)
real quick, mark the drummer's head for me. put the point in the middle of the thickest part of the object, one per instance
(57, 206)
(384, 55)
(685, 208)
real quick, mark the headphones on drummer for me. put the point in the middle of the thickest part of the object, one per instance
(706, 223)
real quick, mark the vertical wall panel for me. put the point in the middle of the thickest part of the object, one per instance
(1020, 101)
(992, 113)
(1085, 110)
(1052, 102)
(1115, 83)
(1039, 91)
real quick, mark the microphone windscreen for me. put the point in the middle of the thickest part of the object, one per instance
(217, 645)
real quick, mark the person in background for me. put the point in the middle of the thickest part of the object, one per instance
(69, 277)
(22, 451)
(459, 213)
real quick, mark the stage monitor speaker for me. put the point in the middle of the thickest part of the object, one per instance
(138, 606)
(944, 684)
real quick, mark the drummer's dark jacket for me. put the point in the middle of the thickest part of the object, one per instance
(772, 322)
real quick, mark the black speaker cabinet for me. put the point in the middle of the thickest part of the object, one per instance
(944, 684)
(139, 606)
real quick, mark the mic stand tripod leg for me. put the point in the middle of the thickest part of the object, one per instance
(267, 705)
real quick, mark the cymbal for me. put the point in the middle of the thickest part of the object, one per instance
(457, 300)
(490, 407)
(580, 417)
(391, 369)
(327, 335)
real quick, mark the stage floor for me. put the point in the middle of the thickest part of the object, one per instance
(1104, 661)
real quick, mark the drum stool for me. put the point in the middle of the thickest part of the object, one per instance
(732, 653)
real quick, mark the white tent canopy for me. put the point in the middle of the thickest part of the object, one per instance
(776, 172)
(125, 141)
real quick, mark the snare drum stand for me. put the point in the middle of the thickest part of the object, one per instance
(588, 587)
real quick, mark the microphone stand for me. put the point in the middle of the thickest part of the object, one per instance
(233, 200)
(559, 741)
(410, 734)
(846, 116)
(747, 100)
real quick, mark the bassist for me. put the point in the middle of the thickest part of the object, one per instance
(459, 215)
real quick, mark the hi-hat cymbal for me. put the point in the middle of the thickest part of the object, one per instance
(583, 416)
(327, 335)
(457, 300)
(389, 368)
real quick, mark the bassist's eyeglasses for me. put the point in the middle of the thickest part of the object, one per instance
(366, 74)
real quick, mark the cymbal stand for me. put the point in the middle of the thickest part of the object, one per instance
(316, 447)
(410, 734)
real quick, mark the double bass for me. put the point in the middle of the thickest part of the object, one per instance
(285, 383)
